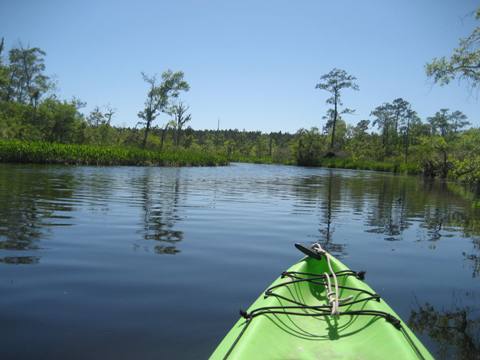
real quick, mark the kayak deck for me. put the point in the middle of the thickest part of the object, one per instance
(292, 320)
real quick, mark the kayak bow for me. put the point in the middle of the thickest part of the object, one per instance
(319, 308)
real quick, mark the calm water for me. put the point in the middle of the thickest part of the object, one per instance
(149, 263)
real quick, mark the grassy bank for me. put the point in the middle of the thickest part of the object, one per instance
(14, 151)
(346, 163)
(258, 160)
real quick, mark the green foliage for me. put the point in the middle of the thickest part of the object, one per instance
(395, 120)
(59, 121)
(445, 124)
(467, 162)
(463, 63)
(159, 95)
(363, 146)
(52, 153)
(309, 147)
(23, 79)
(434, 155)
(349, 163)
(51, 120)
(99, 130)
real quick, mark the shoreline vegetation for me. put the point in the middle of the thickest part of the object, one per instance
(37, 152)
(36, 126)
(15, 151)
(346, 163)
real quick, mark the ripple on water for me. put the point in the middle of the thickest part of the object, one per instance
(125, 252)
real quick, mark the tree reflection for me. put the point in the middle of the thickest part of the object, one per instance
(29, 199)
(399, 199)
(388, 213)
(332, 199)
(475, 262)
(326, 198)
(456, 332)
(160, 199)
(19, 260)
(474, 259)
(389, 205)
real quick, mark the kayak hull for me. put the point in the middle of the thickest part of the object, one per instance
(282, 329)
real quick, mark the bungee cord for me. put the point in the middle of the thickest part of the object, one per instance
(329, 281)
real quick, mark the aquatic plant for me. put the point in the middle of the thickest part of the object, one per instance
(72, 154)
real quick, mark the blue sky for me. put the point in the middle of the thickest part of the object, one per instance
(251, 64)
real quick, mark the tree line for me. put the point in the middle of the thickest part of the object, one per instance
(441, 145)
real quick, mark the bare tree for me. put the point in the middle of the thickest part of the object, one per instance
(180, 118)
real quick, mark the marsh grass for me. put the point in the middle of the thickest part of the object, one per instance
(343, 163)
(15, 151)
(348, 163)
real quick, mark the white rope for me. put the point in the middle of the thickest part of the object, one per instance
(332, 295)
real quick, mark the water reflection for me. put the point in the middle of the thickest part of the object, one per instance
(35, 198)
(389, 206)
(321, 194)
(456, 332)
(332, 201)
(242, 209)
(19, 260)
(160, 194)
(29, 206)
(473, 257)
(397, 202)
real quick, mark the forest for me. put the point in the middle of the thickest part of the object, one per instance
(36, 125)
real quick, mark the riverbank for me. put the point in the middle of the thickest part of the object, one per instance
(344, 163)
(348, 163)
(14, 151)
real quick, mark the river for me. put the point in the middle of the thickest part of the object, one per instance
(150, 263)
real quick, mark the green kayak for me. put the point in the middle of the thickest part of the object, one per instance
(319, 309)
